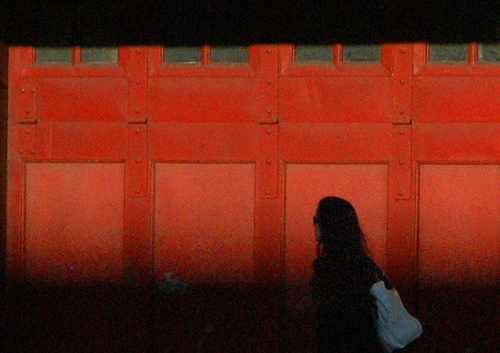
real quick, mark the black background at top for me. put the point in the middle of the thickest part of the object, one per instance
(53, 22)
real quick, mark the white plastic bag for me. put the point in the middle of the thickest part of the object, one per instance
(396, 328)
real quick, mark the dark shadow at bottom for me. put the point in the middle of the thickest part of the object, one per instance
(107, 318)
(205, 318)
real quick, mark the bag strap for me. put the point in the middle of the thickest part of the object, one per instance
(381, 276)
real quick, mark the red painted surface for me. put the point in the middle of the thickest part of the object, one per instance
(74, 222)
(213, 172)
(326, 99)
(457, 99)
(204, 222)
(227, 100)
(306, 183)
(82, 99)
(463, 247)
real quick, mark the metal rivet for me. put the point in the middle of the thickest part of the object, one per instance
(402, 51)
(138, 51)
(137, 159)
(402, 81)
(32, 151)
(28, 111)
(269, 111)
(22, 90)
(137, 110)
(33, 90)
(401, 111)
(401, 132)
(401, 161)
(269, 131)
(268, 51)
(137, 191)
(401, 193)
(138, 130)
(268, 160)
(27, 131)
(269, 82)
(138, 82)
(268, 192)
(21, 151)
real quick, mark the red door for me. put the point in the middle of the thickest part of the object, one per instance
(213, 149)
(215, 218)
(72, 171)
(207, 164)
(342, 133)
(139, 163)
(456, 146)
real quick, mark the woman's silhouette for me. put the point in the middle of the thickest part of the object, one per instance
(343, 276)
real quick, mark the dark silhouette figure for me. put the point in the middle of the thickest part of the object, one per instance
(343, 276)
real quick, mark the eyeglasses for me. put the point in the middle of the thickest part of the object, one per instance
(315, 220)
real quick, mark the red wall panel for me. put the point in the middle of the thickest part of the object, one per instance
(343, 99)
(82, 140)
(213, 99)
(456, 99)
(204, 221)
(203, 141)
(82, 99)
(74, 222)
(364, 185)
(336, 141)
(459, 225)
(472, 142)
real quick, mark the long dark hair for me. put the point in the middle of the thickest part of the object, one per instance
(341, 234)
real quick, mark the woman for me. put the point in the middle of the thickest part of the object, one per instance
(343, 276)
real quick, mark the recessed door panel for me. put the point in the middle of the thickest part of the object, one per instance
(204, 222)
(364, 185)
(74, 222)
(459, 225)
